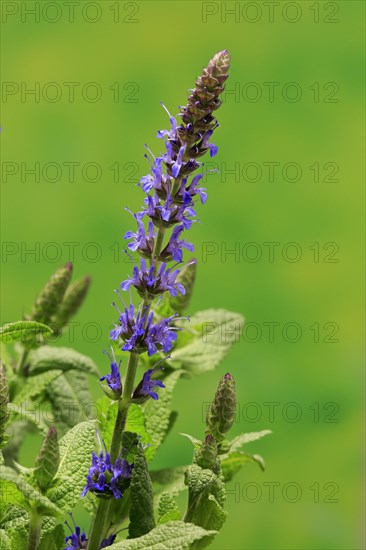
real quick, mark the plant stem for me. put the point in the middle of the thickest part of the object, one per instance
(35, 522)
(98, 529)
(123, 406)
(99, 524)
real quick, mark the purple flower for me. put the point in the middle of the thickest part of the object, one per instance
(114, 378)
(169, 213)
(173, 250)
(108, 541)
(149, 283)
(141, 334)
(106, 479)
(77, 539)
(173, 124)
(142, 242)
(146, 387)
(179, 161)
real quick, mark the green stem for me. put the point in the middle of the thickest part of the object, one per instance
(35, 523)
(98, 529)
(99, 526)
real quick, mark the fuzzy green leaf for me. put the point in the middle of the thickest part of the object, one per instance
(25, 412)
(206, 495)
(71, 400)
(168, 509)
(243, 439)
(157, 413)
(15, 490)
(135, 423)
(22, 331)
(174, 534)
(51, 358)
(214, 332)
(4, 540)
(35, 386)
(76, 447)
(53, 539)
(233, 462)
(142, 505)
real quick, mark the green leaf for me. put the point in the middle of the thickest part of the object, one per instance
(168, 481)
(53, 540)
(51, 358)
(35, 386)
(206, 495)
(142, 505)
(243, 439)
(233, 462)
(70, 398)
(4, 540)
(25, 412)
(135, 423)
(168, 509)
(76, 447)
(157, 413)
(15, 490)
(174, 534)
(214, 332)
(195, 442)
(22, 331)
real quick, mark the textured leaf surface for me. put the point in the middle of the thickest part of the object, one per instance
(168, 509)
(157, 413)
(142, 505)
(15, 490)
(22, 331)
(4, 540)
(76, 447)
(174, 534)
(215, 331)
(53, 540)
(49, 358)
(36, 385)
(71, 400)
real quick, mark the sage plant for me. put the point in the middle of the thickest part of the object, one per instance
(102, 462)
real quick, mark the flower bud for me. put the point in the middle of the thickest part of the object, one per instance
(186, 277)
(4, 400)
(52, 295)
(221, 414)
(48, 459)
(73, 299)
(207, 455)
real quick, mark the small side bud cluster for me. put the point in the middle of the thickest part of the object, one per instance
(206, 456)
(52, 295)
(73, 299)
(4, 400)
(48, 460)
(58, 300)
(221, 414)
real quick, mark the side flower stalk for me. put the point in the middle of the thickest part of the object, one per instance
(171, 190)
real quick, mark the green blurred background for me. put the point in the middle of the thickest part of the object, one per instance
(154, 51)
